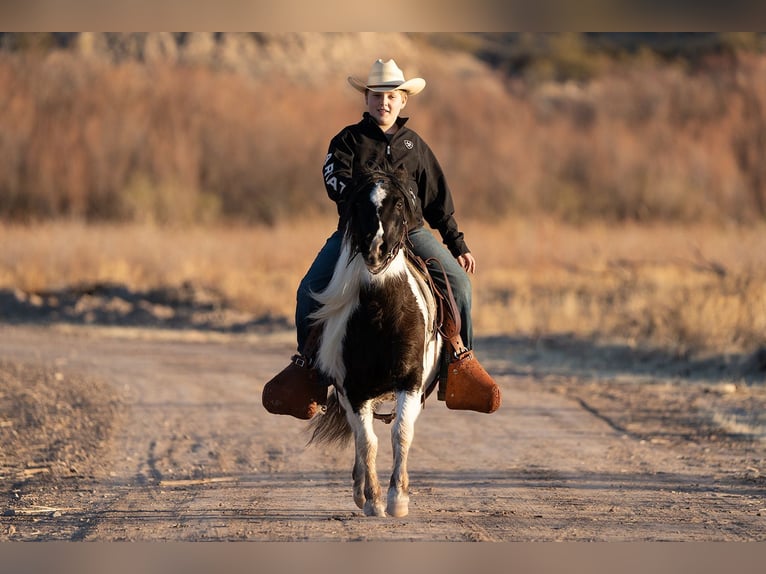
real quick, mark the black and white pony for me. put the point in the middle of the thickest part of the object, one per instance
(379, 340)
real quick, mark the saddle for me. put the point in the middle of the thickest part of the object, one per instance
(447, 319)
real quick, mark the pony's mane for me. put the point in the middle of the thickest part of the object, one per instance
(343, 287)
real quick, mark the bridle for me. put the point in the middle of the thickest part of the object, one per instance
(391, 255)
(396, 247)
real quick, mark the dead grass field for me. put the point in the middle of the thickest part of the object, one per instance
(683, 288)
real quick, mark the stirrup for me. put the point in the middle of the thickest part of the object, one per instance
(469, 387)
(297, 391)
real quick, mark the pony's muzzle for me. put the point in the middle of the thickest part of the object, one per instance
(375, 257)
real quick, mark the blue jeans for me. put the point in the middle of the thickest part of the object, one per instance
(425, 245)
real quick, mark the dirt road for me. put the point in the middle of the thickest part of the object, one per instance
(593, 442)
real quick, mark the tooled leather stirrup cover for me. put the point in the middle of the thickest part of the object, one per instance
(296, 391)
(469, 386)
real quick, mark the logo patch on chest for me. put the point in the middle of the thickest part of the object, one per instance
(408, 144)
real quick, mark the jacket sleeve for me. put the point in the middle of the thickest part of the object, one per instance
(338, 166)
(438, 207)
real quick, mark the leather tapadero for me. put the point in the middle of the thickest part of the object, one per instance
(469, 386)
(296, 391)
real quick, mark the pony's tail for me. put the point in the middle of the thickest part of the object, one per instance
(331, 427)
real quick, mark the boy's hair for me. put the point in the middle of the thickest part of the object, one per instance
(403, 93)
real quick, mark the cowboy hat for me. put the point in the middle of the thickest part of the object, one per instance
(386, 77)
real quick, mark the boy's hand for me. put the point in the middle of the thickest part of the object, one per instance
(467, 262)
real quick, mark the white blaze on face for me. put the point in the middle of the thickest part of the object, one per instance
(377, 195)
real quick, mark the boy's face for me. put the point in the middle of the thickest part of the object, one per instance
(384, 107)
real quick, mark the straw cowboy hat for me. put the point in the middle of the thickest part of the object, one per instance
(386, 77)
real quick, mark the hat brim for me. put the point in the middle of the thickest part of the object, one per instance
(412, 86)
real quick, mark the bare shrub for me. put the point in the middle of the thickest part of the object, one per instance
(171, 141)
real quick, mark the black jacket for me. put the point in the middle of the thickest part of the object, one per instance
(359, 144)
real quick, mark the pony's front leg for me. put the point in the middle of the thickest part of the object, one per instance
(408, 408)
(366, 486)
(358, 475)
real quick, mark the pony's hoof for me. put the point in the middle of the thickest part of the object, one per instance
(374, 508)
(398, 508)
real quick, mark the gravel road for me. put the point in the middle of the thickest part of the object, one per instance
(137, 434)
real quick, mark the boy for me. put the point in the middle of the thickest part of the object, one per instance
(381, 135)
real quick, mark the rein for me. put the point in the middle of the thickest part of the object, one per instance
(393, 251)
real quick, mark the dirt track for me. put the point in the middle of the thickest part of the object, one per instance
(591, 443)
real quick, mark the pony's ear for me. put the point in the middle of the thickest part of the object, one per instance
(401, 172)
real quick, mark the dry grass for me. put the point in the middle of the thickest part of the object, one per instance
(682, 288)
(685, 289)
(255, 268)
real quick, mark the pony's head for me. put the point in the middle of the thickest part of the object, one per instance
(379, 212)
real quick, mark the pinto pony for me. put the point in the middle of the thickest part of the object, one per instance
(379, 340)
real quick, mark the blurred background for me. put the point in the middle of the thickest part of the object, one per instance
(149, 159)
(206, 127)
